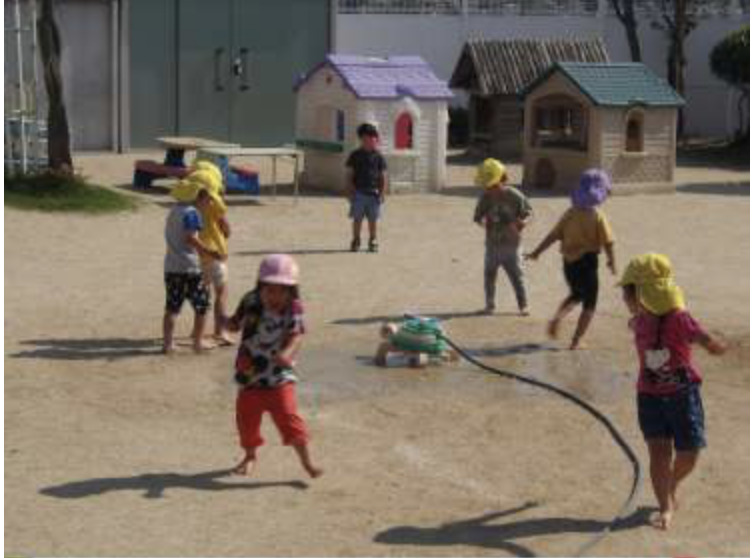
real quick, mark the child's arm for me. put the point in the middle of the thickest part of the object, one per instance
(234, 323)
(350, 181)
(286, 356)
(481, 209)
(551, 237)
(191, 238)
(711, 344)
(610, 257)
(224, 226)
(383, 186)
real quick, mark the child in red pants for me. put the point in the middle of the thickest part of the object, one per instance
(271, 318)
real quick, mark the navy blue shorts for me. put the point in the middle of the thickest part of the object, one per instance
(679, 417)
(582, 278)
(365, 205)
(179, 286)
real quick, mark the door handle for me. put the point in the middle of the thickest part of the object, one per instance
(218, 52)
(240, 68)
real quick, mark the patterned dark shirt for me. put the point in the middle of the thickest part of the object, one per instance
(264, 336)
(368, 171)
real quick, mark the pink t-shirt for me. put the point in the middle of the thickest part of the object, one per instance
(664, 345)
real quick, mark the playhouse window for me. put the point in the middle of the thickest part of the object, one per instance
(403, 132)
(634, 133)
(559, 121)
(339, 126)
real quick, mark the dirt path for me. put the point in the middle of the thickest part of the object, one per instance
(111, 449)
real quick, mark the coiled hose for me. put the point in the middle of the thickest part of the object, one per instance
(600, 417)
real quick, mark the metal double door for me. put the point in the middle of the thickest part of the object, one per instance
(237, 61)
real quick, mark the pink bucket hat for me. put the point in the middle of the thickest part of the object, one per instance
(279, 269)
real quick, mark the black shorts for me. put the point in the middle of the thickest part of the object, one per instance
(678, 417)
(179, 286)
(582, 278)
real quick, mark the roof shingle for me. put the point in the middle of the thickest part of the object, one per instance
(385, 78)
(621, 84)
(508, 67)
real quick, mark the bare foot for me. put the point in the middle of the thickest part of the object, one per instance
(223, 340)
(169, 349)
(553, 329)
(202, 347)
(313, 472)
(662, 520)
(524, 312)
(245, 467)
(576, 345)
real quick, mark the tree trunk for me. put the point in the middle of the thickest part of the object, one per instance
(625, 14)
(630, 27)
(58, 134)
(680, 62)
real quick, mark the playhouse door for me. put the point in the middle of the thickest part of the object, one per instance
(273, 43)
(203, 68)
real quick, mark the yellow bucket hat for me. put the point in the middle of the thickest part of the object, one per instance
(490, 172)
(187, 189)
(204, 165)
(653, 277)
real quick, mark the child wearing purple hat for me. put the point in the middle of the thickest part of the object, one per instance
(583, 232)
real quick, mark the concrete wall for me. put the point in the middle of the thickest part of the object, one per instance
(439, 39)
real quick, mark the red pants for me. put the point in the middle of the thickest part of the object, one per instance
(281, 403)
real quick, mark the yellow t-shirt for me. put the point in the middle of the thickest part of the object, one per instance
(211, 233)
(582, 231)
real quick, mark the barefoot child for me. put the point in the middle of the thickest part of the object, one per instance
(583, 232)
(271, 318)
(504, 212)
(366, 186)
(182, 270)
(214, 235)
(669, 405)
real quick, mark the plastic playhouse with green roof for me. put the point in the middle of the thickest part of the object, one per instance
(620, 117)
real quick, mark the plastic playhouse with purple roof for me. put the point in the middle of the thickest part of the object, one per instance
(400, 95)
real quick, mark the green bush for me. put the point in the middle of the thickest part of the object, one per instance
(729, 61)
(54, 192)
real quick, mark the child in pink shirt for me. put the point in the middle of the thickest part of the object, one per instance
(669, 404)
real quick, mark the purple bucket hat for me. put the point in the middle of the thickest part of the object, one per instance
(594, 188)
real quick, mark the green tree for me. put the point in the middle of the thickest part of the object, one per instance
(729, 61)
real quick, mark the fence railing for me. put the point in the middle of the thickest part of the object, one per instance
(457, 7)
(531, 7)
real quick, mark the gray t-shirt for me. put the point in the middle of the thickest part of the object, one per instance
(181, 257)
(498, 209)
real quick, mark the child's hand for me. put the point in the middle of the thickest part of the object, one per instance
(531, 256)
(284, 361)
(716, 347)
(612, 266)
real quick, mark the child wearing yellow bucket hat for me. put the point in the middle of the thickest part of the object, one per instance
(214, 234)
(182, 269)
(503, 211)
(669, 405)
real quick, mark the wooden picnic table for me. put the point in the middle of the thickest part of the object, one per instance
(176, 146)
(273, 152)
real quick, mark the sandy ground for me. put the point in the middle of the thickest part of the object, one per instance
(112, 449)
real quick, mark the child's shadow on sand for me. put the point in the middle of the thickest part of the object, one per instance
(478, 532)
(154, 484)
(108, 348)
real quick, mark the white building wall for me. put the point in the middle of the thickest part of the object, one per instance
(438, 39)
